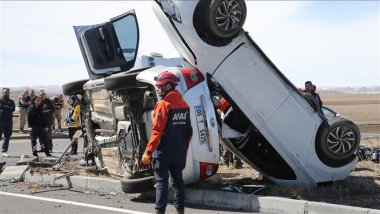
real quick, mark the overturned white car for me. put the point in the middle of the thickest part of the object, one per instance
(286, 136)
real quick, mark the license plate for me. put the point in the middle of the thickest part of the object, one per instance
(202, 124)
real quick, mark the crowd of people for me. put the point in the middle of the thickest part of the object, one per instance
(38, 113)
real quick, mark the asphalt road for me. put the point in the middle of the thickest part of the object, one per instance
(18, 147)
(20, 198)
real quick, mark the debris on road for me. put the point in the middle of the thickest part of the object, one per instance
(247, 189)
(8, 180)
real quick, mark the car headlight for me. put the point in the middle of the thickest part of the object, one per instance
(171, 9)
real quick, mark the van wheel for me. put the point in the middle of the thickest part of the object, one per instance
(137, 185)
(337, 142)
(120, 81)
(225, 18)
(73, 88)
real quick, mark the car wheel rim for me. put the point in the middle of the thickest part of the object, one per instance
(228, 15)
(341, 140)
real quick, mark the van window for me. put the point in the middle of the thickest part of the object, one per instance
(128, 46)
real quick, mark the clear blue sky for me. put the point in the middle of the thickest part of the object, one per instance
(332, 43)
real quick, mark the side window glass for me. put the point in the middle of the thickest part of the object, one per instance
(126, 32)
(328, 113)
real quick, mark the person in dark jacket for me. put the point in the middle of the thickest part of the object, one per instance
(311, 88)
(48, 112)
(7, 107)
(169, 141)
(37, 126)
(316, 95)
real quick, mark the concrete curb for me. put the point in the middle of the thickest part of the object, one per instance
(230, 200)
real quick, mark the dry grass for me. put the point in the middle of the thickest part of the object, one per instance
(363, 109)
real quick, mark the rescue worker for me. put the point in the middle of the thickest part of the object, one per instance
(169, 141)
(58, 105)
(37, 126)
(72, 120)
(7, 107)
(23, 103)
(48, 110)
(229, 158)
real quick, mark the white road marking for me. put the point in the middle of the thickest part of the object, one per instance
(72, 203)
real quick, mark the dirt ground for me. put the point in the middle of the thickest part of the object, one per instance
(360, 189)
(363, 109)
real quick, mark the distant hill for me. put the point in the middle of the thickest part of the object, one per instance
(57, 89)
(352, 90)
(50, 90)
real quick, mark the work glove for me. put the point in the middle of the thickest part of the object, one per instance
(146, 158)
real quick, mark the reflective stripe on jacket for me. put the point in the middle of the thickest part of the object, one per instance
(171, 131)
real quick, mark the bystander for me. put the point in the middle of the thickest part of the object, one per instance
(37, 126)
(58, 105)
(23, 104)
(48, 117)
(7, 107)
(73, 121)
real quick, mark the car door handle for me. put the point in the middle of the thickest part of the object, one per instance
(108, 53)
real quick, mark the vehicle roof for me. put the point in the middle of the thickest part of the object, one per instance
(151, 61)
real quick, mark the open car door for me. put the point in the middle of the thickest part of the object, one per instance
(110, 47)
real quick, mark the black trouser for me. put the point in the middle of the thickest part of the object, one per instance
(41, 134)
(49, 139)
(6, 128)
(161, 174)
(74, 146)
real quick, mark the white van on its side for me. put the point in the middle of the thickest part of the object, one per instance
(118, 101)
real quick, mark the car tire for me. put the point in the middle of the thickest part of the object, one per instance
(137, 185)
(73, 88)
(337, 141)
(120, 81)
(218, 14)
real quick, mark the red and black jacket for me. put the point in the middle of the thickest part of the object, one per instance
(171, 131)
